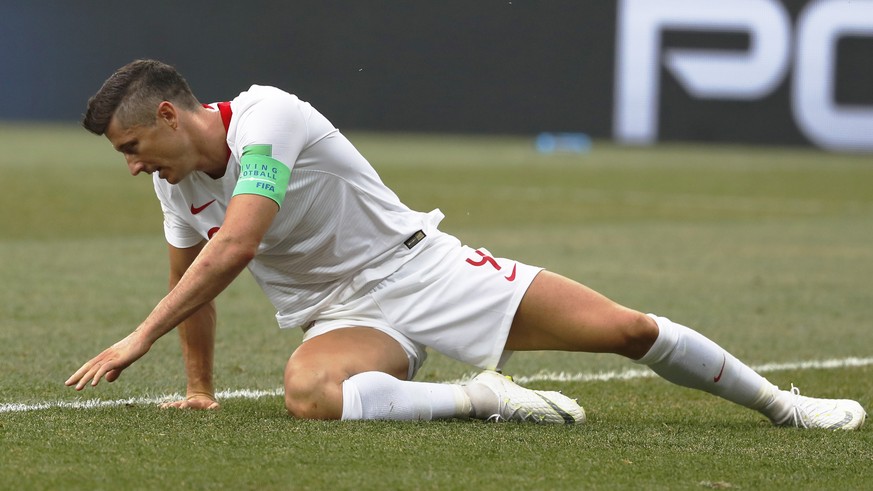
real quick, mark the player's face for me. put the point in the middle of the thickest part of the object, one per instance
(157, 148)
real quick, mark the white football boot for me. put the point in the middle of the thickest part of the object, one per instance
(515, 403)
(829, 414)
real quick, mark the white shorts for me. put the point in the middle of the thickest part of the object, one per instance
(454, 299)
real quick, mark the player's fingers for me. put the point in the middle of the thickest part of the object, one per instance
(87, 375)
(200, 404)
(112, 375)
(83, 381)
(191, 403)
(102, 370)
(94, 374)
(87, 371)
(174, 405)
(76, 377)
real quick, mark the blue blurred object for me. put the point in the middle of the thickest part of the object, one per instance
(563, 142)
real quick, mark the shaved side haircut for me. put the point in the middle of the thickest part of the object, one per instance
(133, 93)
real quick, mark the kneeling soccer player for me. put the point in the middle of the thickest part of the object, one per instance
(265, 182)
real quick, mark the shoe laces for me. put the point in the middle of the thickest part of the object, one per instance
(798, 415)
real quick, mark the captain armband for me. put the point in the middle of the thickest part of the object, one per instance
(261, 174)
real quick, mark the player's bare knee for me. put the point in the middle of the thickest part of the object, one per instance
(306, 393)
(640, 332)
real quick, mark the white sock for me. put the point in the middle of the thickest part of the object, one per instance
(687, 358)
(377, 395)
(484, 401)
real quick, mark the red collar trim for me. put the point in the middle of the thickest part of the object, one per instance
(226, 114)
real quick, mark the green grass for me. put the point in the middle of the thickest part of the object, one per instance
(765, 250)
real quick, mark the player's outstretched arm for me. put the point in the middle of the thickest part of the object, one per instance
(218, 264)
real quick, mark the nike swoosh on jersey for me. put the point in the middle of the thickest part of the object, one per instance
(511, 276)
(197, 209)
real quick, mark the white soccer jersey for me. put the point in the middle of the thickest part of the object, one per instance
(339, 228)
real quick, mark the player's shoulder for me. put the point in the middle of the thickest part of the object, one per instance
(264, 110)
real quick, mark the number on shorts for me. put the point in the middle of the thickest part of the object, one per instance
(485, 259)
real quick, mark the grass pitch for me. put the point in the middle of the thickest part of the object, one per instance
(765, 250)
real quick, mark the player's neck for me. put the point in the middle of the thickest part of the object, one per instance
(211, 142)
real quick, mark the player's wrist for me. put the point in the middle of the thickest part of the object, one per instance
(190, 396)
(200, 390)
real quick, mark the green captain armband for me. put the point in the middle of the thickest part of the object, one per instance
(261, 174)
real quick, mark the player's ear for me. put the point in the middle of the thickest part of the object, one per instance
(167, 114)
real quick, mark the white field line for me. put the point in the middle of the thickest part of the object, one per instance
(645, 372)
(146, 400)
(522, 379)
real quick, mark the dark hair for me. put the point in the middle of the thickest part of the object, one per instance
(133, 93)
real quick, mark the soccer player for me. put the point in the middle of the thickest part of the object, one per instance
(265, 182)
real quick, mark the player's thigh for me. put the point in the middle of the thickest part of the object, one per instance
(557, 313)
(341, 353)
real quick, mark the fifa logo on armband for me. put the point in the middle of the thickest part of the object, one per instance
(265, 186)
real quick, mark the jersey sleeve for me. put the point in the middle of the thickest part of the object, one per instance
(177, 232)
(271, 134)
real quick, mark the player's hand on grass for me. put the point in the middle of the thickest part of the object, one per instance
(110, 362)
(193, 401)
